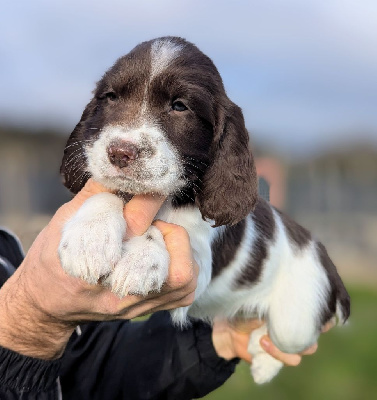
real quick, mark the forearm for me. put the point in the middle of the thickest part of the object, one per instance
(28, 347)
(26, 328)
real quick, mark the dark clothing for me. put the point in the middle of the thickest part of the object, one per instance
(121, 360)
(142, 360)
(118, 360)
(27, 378)
(11, 254)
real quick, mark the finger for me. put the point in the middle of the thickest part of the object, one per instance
(90, 188)
(175, 298)
(109, 303)
(288, 359)
(140, 212)
(310, 350)
(178, 291)
(170, 304)
(245, 326)
(132, 306)
(328, 326)
(150, 305)
(246, 356)
(241, 344)
(183, 270)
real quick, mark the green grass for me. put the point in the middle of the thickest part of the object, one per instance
(344, 367)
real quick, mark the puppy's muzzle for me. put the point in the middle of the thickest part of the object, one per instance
(121, 153)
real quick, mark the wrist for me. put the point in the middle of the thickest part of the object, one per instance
(27, 329)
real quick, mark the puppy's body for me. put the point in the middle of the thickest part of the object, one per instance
(160, 122)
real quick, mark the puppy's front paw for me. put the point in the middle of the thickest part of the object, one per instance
(91, 242)
(263, 366)
(144, 266)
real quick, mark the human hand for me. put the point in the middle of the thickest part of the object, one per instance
(40, 304)
(231, 340)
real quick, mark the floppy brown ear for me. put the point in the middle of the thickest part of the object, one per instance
(230, 186)
(74, 168)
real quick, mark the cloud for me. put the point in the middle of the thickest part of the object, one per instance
(292, 66)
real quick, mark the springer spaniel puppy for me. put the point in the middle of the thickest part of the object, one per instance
(161, 122)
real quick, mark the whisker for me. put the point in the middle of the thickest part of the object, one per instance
(185, 194)
(193, 165)
(78, 142)
(74, 158)
(85, 175)
(197, 161)
(197, 178)
(76, 166)
(81, 177)
(72, 155)
(194, 184)
(77, 163)
(197, 188)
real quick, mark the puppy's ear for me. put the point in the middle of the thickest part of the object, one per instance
(230, 186)
(74, 165)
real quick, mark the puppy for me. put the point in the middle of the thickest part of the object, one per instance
(161, 122)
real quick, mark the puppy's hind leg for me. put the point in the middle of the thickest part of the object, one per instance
(296, 304)
(263, 366)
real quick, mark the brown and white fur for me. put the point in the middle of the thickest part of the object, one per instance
(161, 122)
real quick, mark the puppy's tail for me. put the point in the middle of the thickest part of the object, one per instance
(343, 305)
(339, 304)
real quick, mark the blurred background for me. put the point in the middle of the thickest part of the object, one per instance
(305, 75)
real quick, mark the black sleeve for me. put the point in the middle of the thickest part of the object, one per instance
(142, 360)
(22, 377)
(27, 378)
(11, 254)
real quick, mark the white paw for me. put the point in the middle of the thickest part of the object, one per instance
(91, 242)
(263, 366)
(144, 265)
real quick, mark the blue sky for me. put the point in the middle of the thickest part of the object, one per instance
(304, 72)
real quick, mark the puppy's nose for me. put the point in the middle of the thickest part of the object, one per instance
(121, 153)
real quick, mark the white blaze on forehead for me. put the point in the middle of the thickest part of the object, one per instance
(163, 52)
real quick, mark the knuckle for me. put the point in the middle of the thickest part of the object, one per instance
(180, 234)
(188, 300)
(180, 230)
(183, 276)
(187, 274)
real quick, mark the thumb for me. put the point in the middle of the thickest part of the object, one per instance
(140, 212)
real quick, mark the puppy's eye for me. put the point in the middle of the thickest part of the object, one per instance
(178, 106)
(111, 96)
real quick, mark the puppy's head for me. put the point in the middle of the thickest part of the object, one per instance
(160, 122)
